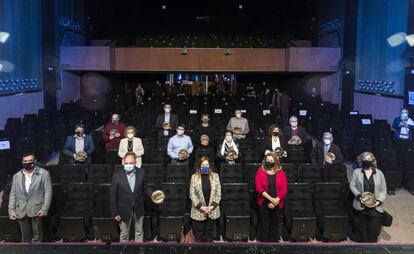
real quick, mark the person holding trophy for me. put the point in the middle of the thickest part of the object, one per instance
(180, 146)
(79, 147)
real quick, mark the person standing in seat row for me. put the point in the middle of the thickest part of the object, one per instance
(271, 189)
(112, 135)
(30, 198)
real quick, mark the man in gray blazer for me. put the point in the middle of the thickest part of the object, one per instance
(30, 198)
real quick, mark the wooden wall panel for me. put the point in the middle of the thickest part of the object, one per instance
(171, 59)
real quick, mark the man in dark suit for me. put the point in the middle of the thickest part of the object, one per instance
(127, 198)
(166, 122)
(30, 198)
(77, 143)
(326, 146)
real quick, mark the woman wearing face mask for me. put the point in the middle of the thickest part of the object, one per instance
(271, 188)
(403, 136)
(276, 139)
(131, 144)
(326, 146)
(368, 178)
(205, 195)
(228, 150)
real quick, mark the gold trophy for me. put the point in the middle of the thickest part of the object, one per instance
(295, 140)
(280, 152)
(329, 157)
(81, 156)
(183, 154)
(368, 199)
(158, 197)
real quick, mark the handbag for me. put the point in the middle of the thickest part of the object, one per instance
(386, 219)
(188, 238)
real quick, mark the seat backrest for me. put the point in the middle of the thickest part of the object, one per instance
(328, 191)
(72, 173)
(231, 173)
(174, 191)
(80, 191)
(299, 191)
(310, 172)
(235, 191)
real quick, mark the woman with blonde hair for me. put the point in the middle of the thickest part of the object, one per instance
(131, 144)
(205, 195)
(271, 188)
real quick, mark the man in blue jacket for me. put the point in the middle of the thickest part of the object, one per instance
(77, 143)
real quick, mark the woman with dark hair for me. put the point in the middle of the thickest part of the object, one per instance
(275, 139)
(205, 195)
(271, 188)
(367, 178)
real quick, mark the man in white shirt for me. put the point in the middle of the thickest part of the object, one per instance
(30, 199)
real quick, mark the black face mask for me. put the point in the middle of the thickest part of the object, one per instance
(28, 166)
(78, 133)
(367, 164)
(269, 165)
(275, 133)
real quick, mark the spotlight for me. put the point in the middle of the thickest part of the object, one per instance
(164, 7)
(184, 51)
(240, 6)
(4, 36)
(227, 52)
(410, 39)
(396, 39)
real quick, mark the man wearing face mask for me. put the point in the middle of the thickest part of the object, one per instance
(30, 198)
(179, 142)
(166, 122)
(403, 135)
(326, 146)
(77, 143)
(128, 190)
(205, 128)
(238, 125)
(112, 135)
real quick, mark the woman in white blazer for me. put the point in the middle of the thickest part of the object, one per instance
(131, 144)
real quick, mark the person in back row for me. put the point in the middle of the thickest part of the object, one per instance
(166, 122)
(131, 144)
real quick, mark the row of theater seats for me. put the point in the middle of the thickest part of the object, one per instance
(80, 209)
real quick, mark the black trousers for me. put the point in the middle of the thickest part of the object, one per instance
(31, 229)
(401, 147)
(203, 230)
(369, 227)
(111, 157)
(270, 220)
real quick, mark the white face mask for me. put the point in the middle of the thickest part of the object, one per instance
(404, 115)
(180, 132)
(238, 115)
(130, 135)
(327, 141)
(294, 124)
(229, 138)
(167, 110)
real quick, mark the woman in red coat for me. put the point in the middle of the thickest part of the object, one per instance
(271, 188)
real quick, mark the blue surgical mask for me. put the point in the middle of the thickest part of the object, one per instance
(129, 168)
(204, 170)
